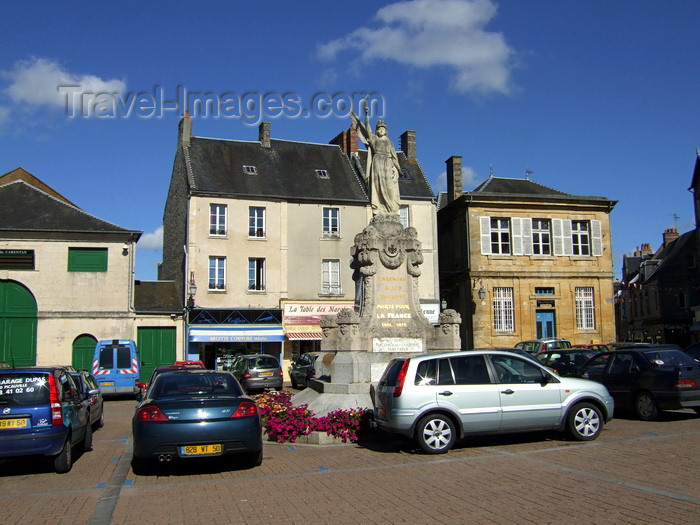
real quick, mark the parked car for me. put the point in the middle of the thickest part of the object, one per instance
(90, 393)
(177, 365)
(42, 414)
(567, 360)
(693, 351)
(303, 369)
(436, 398)
(196, 413)
(258, 371)
(536, 346)
(647, 378)
(596, 347)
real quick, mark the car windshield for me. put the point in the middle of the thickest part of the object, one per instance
(175, 384)
(669, 358)
(263, 362)
(23, 388)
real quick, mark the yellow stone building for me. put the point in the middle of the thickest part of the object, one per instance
(519, 260)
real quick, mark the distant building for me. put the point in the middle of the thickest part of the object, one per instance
(659, 296)
(261, 232)
(66, 281)
(519, 260)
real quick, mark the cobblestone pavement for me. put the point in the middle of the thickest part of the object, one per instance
(635, 472)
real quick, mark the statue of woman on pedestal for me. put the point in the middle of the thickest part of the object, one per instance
(382, 165)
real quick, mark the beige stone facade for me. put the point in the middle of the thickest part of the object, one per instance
(521, 261)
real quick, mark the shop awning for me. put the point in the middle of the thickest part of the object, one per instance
(304, 336)
(236, 334)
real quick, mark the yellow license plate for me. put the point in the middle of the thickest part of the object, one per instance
(265, 373)
(107, 383)
(14, 423)
(199, 450)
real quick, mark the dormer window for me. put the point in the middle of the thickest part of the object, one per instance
(250, 170)
(322, 174)
(404, 174)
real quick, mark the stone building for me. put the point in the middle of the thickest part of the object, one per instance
(67, 280)
(519, 260)
(257, 238)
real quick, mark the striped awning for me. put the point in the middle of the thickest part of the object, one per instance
(304, 336)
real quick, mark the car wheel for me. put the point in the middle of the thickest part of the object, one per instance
(63, 462)
(435, 434)
(87, 440)
(295, 385)
(101, 422)
(139, 466)
(254, 459)
(645, 407)
(584, 422)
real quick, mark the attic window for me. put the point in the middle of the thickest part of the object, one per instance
(250, 170)
(404, 174)
(322, 174)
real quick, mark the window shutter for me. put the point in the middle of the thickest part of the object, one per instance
(566, 235)
(527, 235)
(558, 236)
(516, 225)
(596, 238)
(485, 235)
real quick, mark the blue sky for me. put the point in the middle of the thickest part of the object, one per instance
(595, 98)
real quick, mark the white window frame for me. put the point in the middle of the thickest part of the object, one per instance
(217, 220)
(503, 310)
(404, 217)
(256, 274)
(330, 277)
(217, 273)
(585, 308)
(331, 221)
(256, 222)
(541, 237)
(250, 170)
(501, 237)
(580, 238)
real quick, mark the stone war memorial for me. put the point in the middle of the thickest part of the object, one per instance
(387, 320)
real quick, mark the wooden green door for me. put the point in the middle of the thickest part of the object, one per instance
(18, 320)
(83, 352)
(156, 348)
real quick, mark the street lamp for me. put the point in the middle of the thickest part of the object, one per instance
(482, 292)
(192, 291)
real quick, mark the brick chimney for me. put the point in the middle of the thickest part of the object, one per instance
(264, 134)
(670, 235)
(454, 177)
(184, 130)
(347, 140)
(408, 144)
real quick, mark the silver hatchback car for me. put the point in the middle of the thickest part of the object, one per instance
(436, 398)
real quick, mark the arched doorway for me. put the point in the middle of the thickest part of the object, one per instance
(17, 324)
(83, 352)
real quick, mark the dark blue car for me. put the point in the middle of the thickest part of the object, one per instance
(190, 414)
(42, 413)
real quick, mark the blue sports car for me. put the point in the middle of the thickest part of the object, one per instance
(196, 413)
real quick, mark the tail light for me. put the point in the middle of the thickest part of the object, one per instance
(400, 378)
(150, 413)
(247, 375)
(54, 402)
(544, 347)
(281, 374)
(246, 408)
(686, 383)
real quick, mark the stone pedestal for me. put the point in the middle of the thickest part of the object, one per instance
(387, 320)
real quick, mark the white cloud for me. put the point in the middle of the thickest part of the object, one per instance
(430, 33)
(152, 241)
(470, 179)
(36, 81)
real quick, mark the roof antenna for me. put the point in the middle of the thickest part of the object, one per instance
(528, 172)
(490, 170)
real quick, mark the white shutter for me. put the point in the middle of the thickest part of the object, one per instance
(558, 236)
(527, 235)
(485, 223)
(566, 236)
(596, 238)
(516, 226)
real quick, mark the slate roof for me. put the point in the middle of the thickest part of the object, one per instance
(26, 208)
(285, 170)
